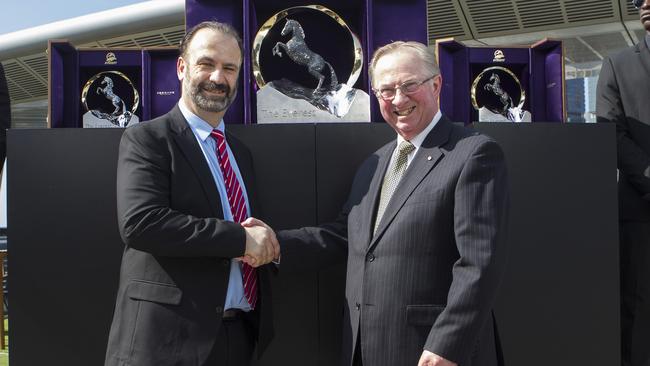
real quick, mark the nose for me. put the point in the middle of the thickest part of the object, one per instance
(400, 97)
(216, 75)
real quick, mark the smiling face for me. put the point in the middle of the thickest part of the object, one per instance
(407, 114)
(209, 71)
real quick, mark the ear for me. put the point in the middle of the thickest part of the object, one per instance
(180, 68)
(437, 85)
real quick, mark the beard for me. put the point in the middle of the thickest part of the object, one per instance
(211, 103)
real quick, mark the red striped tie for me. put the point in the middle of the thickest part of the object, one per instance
(238, 208)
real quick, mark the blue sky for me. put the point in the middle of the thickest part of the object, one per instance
(21, 14)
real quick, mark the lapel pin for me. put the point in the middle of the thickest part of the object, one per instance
(429, 157)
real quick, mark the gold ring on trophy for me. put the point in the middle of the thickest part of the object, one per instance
(480, 77)
(272, 21)
(94, 78)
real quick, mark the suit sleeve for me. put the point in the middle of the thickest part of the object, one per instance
(480, 225)
(314, 248)
(633, 162)
(147, 221)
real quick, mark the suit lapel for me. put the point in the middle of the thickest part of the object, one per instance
(186, 141)
(644, 54)
(370, 204)
(427, 157)
(641, 50)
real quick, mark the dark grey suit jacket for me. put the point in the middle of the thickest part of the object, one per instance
(623, 98)
(176, 262)
(428, 278)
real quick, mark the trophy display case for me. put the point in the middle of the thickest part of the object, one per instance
(95, 87)
(340, 35)
(502, 84)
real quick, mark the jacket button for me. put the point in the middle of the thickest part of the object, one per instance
(370, 257)
(219, 310)
(357, 306)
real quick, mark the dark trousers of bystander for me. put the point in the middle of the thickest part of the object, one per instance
(635, 293)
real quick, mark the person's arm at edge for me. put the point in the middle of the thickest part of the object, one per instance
(633, 162)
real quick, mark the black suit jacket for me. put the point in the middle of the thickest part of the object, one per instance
(176, 262)
(428, 278)
(623, 98)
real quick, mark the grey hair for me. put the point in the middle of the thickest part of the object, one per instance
(424, 53)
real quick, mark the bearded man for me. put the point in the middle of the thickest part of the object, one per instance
(193, 289)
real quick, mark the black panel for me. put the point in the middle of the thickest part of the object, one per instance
(285, 171)
(559, 303)
(340, 149)
(286, 191)
(64, 244)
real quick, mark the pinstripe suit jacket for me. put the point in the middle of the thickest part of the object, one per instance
(428, 278)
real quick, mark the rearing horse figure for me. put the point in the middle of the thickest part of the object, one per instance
(110, 95)
(495, 87)
(299, 53)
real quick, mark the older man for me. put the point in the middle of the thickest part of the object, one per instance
(186, 297)
(425, 225)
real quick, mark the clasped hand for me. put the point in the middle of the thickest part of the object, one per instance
(261, 244)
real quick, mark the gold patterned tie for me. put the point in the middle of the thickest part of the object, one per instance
(393, 176)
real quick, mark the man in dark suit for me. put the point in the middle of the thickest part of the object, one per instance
(622, 99)
(189, 291)
(5, 116)
(424, 229)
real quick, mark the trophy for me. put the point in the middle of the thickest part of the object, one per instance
(304, 52)
(110, 100)
(497, 95)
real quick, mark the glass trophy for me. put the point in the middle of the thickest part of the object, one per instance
(498, 96)
(110, 100)
(306, 62)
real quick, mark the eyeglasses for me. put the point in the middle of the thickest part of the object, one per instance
(407, 88)
(637, 3)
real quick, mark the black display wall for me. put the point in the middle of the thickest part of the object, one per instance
(559, 300)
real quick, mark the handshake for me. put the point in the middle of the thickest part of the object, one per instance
(262, 246)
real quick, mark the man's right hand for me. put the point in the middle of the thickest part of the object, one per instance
(261, 244)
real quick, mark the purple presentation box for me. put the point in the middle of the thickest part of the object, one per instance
(539, 68)
(151, 70)
(375, 22)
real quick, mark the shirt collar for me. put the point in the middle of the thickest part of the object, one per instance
(419, 138)
(200, 127)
